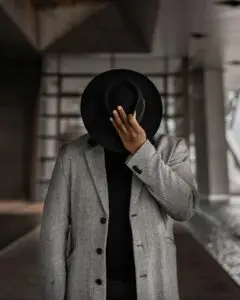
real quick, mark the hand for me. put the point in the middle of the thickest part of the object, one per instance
(131, 133)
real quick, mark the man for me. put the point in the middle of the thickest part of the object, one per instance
(113, 197)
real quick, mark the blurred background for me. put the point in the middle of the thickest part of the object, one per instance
(190, 49)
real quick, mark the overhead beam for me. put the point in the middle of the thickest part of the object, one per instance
(143, 14)
(103, 30)
(48, 4)
(23, 14)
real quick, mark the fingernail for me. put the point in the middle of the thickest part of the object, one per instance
(119, 107)
(111, 119)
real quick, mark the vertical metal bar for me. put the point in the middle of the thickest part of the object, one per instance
(36, 165)
(165, 92)
(59, 92)
(186, 102)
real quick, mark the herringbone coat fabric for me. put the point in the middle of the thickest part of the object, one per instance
(163, 189)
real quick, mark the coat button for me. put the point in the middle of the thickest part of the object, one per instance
(136, 169)
(99, 251)
(98, 281)
(103, 220)
(134, 215)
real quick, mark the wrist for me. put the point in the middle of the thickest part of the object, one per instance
(137, 147)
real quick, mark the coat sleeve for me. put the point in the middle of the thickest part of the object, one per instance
(171, 184)
(53, 234)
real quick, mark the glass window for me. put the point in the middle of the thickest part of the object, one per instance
(174, 64)
(70, 106)
(50, 105)
(140, 63)
(170, 109)
(50, 85)
(158, 83)
(171, 126)
(179, 126)
(47, 168)
(192, 139)
(69, 124)
(47, 147)
(192, 153)
(48, 126)
(179, 106)
(174, 84)
(41, 151)
(89, 63)
(74, 84)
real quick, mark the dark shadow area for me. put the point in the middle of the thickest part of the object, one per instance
(13, 42)
(20, 82)
(200, 276)
(13, 227)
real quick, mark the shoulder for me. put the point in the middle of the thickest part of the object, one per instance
(74, 147)
(168, 141)
(167, 144)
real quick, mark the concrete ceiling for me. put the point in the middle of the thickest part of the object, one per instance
(106, 29)
(90, 26)
(179, 30)
(174, 30)
(115, 26)
(178, 21)
(13, 40)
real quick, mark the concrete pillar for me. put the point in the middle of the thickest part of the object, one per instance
(209, 129)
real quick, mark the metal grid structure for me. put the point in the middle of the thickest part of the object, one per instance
(184, 106)
(60, 114)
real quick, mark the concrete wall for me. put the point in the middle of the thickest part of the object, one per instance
(19, 85)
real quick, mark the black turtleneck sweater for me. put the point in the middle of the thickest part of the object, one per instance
(120, 258)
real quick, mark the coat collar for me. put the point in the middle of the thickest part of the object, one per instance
(95, 158)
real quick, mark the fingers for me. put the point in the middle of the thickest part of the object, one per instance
(116, 127)
(123, 116)
(134, 123)
(124, 124)
(118, 124)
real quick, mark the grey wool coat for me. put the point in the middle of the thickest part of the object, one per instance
(163, 189)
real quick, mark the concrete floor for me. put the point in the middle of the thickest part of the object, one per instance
(16, 219)
(200, 276)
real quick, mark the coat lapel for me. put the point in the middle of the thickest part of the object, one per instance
(96, 163)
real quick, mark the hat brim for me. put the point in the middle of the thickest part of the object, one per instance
(96, 118)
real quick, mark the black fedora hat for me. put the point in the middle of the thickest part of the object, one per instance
(130, 89)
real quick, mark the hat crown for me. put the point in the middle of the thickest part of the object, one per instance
(125, 93)
(130, 89)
